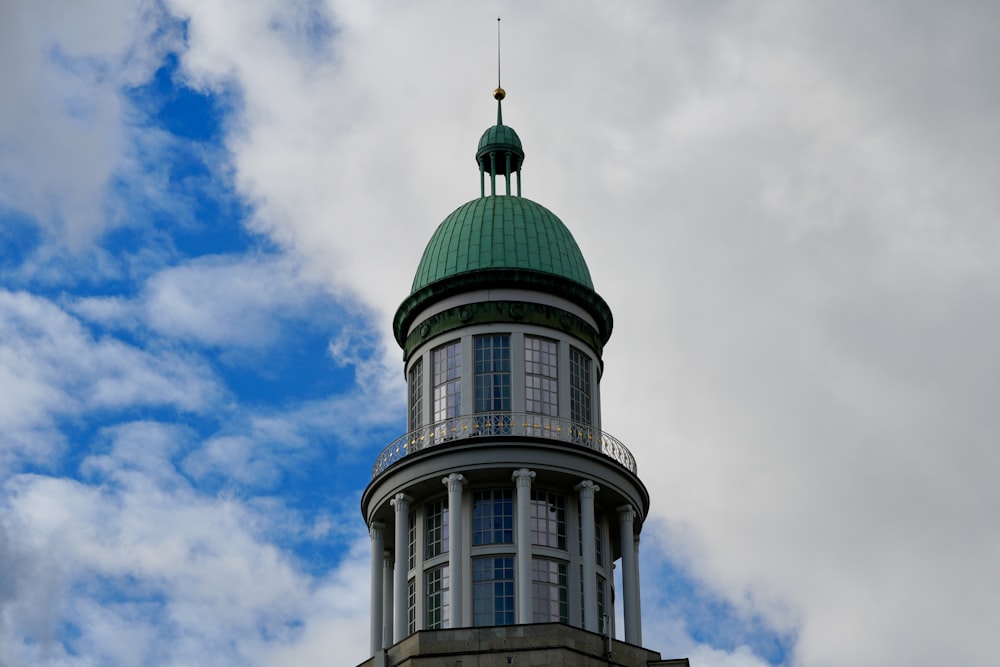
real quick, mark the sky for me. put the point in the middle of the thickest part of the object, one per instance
(210, 209)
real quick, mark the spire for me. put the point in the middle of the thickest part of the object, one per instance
(499, 93)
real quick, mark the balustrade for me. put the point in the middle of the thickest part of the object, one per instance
(510, 424)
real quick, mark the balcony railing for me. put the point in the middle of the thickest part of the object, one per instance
(510, 424)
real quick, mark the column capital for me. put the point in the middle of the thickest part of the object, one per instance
(522, 477)
(626, 513)
(454, 481)
(375, 530)
(401, 501)
(587, 489)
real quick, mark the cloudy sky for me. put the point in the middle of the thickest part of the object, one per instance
(210, 209)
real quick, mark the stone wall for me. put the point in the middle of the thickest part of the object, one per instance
(536, 645)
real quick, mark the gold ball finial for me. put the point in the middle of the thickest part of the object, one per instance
(499, 94)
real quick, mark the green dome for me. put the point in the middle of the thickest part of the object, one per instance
(501, 233)
(502, 241)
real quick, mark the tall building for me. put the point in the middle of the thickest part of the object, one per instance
(497, 520)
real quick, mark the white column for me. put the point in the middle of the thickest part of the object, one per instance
(630, 580)
(401, 502)
(378, 551)
(588, 538)
(522, 478)
(455, 482)
(386, 599)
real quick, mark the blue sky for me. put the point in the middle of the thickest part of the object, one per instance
(210, 210)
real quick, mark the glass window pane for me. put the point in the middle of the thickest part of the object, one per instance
(436, 586)
(436, 529)
(447, 362)
(411, 606)
(416, 390)
(493, 517)
(579, 387)
(493, 591)
(541, 376)
(492, 381)
(548, 519)
(549, 590)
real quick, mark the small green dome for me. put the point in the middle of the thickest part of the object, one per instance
(501, 141)
(501, 233)
(500, 136)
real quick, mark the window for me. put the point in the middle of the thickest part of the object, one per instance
(411, 538)
(579, 387)
(548, 519)
(598, 543)
(438, 607)
(436, 529)
(602, 610)
(411, 606)
(447, 361)
(493, 517)
(549, 600)
(416, 389)
(603, 623)
(493, 591)
(493, 373)
(541, 376)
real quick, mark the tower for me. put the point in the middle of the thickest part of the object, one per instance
(497, 519)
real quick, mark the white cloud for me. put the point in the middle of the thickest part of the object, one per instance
(707, 656)
(140, 565)
(52, 368)
(64, 116)
(148, 570)
(259, 449)
(337, 613)
(231, 301)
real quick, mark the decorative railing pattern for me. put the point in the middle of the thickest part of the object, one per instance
(513, 424)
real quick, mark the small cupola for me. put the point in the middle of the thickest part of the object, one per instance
(500, 152)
